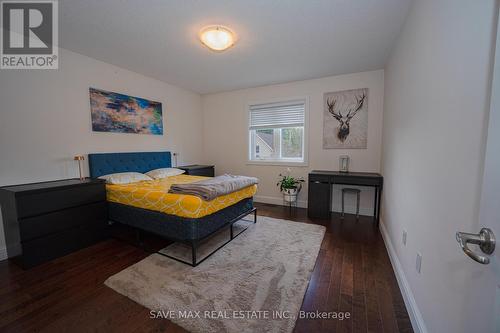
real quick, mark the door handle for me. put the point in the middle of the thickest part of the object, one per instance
(485, 239)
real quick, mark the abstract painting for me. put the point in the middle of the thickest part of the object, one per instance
(345, 119)
(113, 112)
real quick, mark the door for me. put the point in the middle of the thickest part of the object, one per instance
(481, 310)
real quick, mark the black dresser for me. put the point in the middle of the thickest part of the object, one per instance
(51, 219)
(199, 170)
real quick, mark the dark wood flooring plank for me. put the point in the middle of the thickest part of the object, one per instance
(302, 324)
(352, 273)
(359, 301)
(386, 302)
(320, 297)
(346, 289)
(373, 320)
(87, 285)
(333, 298)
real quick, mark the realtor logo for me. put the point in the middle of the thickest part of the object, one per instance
(29, 34)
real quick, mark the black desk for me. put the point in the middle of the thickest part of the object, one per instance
(319, 202)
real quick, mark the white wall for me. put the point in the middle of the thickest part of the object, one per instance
(225, 133)
(436, 102)
(45, 119)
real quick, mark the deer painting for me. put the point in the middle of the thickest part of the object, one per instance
(345, 119)
(341, 110)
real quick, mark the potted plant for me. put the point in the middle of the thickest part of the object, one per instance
(290, 187)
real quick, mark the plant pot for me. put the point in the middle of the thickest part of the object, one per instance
(290, 194)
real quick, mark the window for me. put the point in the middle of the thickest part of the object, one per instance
(277, 132)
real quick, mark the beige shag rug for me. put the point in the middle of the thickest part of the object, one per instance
(256, 283)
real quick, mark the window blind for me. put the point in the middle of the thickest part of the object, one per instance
(276, 115)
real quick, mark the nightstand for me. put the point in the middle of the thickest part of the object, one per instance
(199, 170)
(51, 219)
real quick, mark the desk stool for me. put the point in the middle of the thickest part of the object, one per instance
(351, 190)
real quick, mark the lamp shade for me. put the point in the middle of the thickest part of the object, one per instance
(217, 37)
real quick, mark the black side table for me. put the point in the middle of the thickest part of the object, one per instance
(199, 170)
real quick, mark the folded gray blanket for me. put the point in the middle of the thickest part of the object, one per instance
(212, 188)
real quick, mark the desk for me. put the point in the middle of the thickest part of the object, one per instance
(319, 203)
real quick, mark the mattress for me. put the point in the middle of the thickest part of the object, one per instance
(153, 195)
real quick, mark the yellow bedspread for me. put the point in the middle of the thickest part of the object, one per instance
(153, 195)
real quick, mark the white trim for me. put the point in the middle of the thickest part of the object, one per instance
(349, 209)
(277, 162)
(305, 140)
(417, 321)
(277, 200)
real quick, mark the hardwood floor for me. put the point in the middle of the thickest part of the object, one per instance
(352, 274)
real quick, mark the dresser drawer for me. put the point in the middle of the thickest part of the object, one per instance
(49, 201)
(43, 249)
(88, 215)
(347, 180)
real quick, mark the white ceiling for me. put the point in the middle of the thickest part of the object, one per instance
(279, 41)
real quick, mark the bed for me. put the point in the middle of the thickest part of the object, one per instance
(180, 218)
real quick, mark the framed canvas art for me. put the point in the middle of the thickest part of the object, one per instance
(113, 112)
(345, 119)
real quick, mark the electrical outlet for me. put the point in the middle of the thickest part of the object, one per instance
(404, 237)
(418, 264)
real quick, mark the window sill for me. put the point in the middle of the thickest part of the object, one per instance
(279, 163)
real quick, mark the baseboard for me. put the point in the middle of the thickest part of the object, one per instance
(416, 318)
(277, 200)
(349, 209)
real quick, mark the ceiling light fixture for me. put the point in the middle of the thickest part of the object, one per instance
(217, 37)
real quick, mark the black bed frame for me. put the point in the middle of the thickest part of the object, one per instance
(191, 231)
(193, 243)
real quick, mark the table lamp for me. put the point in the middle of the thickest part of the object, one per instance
(80, 158)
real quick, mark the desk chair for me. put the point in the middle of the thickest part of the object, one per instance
(351, 190)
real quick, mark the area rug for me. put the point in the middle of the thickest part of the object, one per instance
(183, 252)
(256, 283)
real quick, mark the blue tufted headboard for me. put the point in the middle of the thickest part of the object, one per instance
(106, 163)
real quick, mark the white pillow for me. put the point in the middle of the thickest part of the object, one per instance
(164, 172)
(125, 177)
